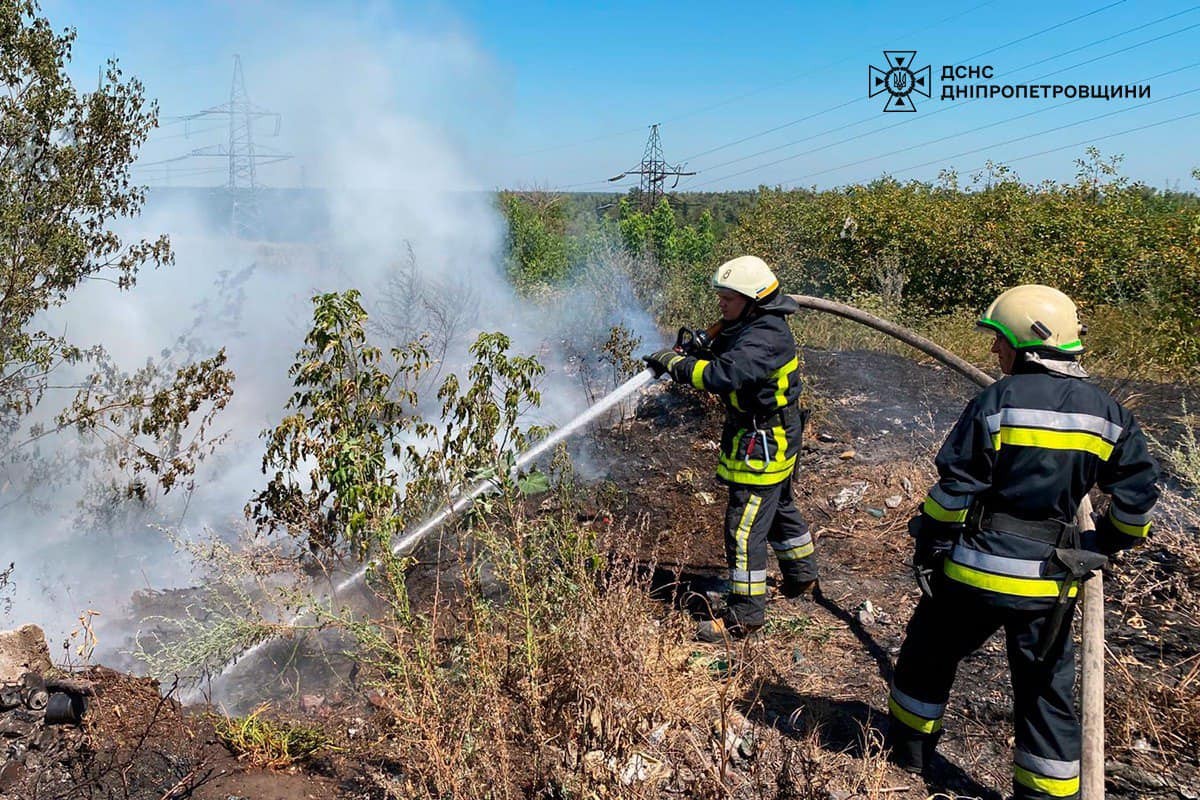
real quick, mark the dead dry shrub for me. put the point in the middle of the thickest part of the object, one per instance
(550, 670)
(1152, 692)
(1153, 710)
(809, 770)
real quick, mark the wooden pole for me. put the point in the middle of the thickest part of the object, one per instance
(1092, 764)
(1091, 773)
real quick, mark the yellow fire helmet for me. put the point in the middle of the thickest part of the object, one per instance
(748, 276)
(1033, 316)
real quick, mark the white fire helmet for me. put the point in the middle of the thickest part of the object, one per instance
(749, 276)
(1033, 316)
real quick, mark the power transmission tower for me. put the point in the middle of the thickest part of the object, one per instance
(243, 155)
(654, 171)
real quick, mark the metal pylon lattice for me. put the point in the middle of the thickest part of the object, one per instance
(243, 155)
(241, 132)
(654, 171)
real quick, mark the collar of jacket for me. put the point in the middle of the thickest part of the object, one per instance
(1031, 361)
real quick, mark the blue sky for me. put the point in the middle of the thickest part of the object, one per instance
(561, 94)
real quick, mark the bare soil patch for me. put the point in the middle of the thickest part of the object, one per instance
(812, 726)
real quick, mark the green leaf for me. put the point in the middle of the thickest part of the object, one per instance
(535, 482)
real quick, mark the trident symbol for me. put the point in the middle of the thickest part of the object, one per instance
(900, 80)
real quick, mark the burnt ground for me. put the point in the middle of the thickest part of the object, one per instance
(865, 466)
(867, 462)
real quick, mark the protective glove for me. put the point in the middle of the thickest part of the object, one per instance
(662, 361)
(928, 554)
(1106, 539)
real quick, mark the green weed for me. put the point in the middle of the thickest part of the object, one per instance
(267, 743)
(1184, 457)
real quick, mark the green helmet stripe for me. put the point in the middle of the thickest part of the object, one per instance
(1068, 347)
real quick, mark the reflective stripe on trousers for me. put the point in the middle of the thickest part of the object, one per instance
(742, 580)
(922, 717)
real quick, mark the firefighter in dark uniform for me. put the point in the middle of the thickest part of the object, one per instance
(997, 545)
(751, 365)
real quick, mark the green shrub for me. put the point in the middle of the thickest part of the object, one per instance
(538, 253)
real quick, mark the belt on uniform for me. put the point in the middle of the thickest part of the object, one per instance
(1050, 531)
(779, 418)
(1068, 555)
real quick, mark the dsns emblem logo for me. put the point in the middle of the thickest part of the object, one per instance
(900, 80)
(725, 274)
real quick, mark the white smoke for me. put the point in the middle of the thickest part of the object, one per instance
(390, 123)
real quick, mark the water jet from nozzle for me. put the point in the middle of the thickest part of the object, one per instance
(409, 541)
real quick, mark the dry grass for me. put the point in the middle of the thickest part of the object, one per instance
(808, 770)
(1153, 710)
(1153, 683)
(1183, 457)
(552, 672)
(556, 674)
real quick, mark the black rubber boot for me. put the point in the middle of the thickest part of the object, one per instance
(912, 752)
(795, 590)
(720, 630)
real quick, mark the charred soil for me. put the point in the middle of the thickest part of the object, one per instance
(813, 716)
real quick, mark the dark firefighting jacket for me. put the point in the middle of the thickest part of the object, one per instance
(752, 366)
(1029, 448)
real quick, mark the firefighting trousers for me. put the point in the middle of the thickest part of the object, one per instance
(951, 626)
(756, 516)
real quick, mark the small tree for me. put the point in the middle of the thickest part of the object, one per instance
(331, 482)
(64, 179)
(348, 466)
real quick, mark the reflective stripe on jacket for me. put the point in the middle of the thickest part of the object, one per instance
(753, 368)
(1031, 446)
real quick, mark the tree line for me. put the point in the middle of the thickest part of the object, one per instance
(1126, 252)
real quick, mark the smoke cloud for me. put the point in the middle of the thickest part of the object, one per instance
(390, 128)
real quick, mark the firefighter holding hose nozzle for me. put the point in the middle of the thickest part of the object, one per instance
(749, 361)
(997, 545)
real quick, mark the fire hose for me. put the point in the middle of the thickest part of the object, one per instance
(1092, 650)
(1092, 778)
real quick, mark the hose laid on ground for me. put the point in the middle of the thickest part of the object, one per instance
(967, 369)
(1092, 651)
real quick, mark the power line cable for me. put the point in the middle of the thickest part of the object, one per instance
(1108, 38)
(187, 134)
(196, 170)
(1122, 50)
(147, 164)
(949, 108)
(908, 120)
(744, 95)
(1092, 140)
(829, 66)
(1043, 30)
(967, 58)
(1005, 121)
(1022, 68)
(591, 183)
(570, 145)
(167, 171)
(1051, 130)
